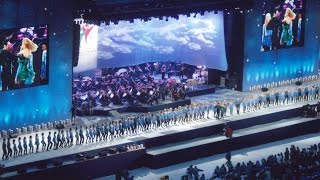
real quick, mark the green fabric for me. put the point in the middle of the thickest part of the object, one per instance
(24, 73)
(287, 36)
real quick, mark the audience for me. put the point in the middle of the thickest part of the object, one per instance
(292, 164)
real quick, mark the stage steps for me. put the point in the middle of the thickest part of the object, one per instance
(175, 153)
(210, 128)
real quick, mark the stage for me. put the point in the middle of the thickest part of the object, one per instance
(143, 108)
(159, 140)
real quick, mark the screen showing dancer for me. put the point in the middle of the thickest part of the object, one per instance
(282, 24)
(24, 57)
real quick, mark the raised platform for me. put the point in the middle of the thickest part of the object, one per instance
(202, 91)
(158, 107)
(143, 108)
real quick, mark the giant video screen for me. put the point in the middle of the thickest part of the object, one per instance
(24, 57)
(195, 39)
(282, 24)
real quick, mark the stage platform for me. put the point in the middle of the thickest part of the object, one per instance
(201, 90)
(153, 139)
(142, 108)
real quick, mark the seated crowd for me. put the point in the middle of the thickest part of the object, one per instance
(294, 163)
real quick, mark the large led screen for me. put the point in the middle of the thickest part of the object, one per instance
(196, 39)
(24, 57)
(282, 24)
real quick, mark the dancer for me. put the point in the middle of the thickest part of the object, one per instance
(287, 35)
(266, 34)
(25, 73)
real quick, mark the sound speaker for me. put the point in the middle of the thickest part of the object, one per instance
(298, 83)
(60, 126)
(264, 89)
(13, 135)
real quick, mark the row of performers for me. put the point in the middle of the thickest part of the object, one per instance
(186, 114)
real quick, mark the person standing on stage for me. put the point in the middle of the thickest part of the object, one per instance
(316, 92)
(67, 138)
(277, 96)
(71, 137)
(77, 136)
(4, 150)
(299, 94)
(30, 145)
(55, 140)
(286, 96)
(49, 147)
(9, 148)
(63, 139)
(37, 143)
(231, 106)
(260, 100)
(81, 135)
(44, 144)
(87, 135)
(19, 146)
(306, 93)
(218, 107)
(59, 142)
(268, 99)
(238, 103)
(25, 146)
(15, 149)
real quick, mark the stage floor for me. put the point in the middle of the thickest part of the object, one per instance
(84, 121)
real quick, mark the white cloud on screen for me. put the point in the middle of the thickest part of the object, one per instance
(194, 46)
(105, 55)
(163, 49)
(193, 33)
